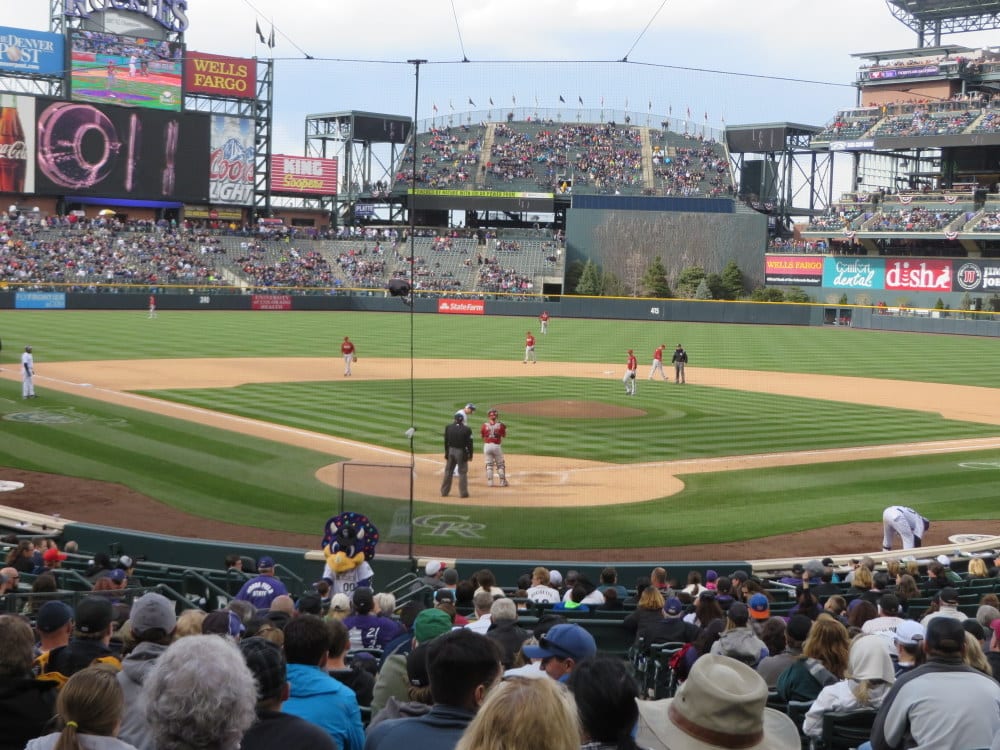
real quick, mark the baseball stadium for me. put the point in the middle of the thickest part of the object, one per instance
(174, 294)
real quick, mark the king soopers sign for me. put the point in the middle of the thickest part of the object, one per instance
(170, 14)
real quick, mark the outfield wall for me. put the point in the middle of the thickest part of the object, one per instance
(689, 311)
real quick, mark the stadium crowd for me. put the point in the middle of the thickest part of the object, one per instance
(450, 660)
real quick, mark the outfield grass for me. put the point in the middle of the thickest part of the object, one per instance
(237, 478)
(73, 335)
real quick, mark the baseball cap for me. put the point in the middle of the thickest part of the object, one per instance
(798, 627)
(945, 634)
(52, 616)
(909, 633)
(93, 614)
(117, 575)
(434, 567)
(152, 611)
(431, 623)
(268, 665)
(555, 577)
(739, 575)
(972, 625)
(566, 641)
(760, 607)
(459, 416)
(222, 622)
(340, 603)
(943, 559)
(798, 568)
(364, 600)
(416, 667)
(52, 554)
(738, 613)
(815, 567)
(311, 604)
(125, 562)
(889, 603)
(711, 575)
(444, 595)
(948, 595)
(470, 407)
(673, 606)
(265, 563)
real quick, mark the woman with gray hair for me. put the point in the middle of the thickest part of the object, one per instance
(201, 696)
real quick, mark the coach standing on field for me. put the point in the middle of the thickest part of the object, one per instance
(457, 453)
(27, 374)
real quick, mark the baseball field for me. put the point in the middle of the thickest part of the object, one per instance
(236, 425)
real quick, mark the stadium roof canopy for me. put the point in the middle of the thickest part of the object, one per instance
(910, 52)
(946, 16)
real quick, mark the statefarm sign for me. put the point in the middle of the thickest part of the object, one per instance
(219, 75)
(462, 306)
(303, 175)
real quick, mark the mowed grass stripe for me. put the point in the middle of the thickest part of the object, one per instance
(87, 335)
(694, 422)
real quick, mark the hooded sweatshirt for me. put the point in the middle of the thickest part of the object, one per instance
(741, 644)
(326, 702)
(136, 667)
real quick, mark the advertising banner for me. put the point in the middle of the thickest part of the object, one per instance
(230, 171)
(797, 270)
(462, 306)
(26, 51)
(271, 302)
(886, 74)
(976, 276)
(133, 71)
(303, 175)
(918, 275)
(854, 273)
(17, 144)
(40, 301)
(120, 152)
(219, 75)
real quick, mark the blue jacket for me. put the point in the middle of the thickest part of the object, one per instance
(326, 702)
(438, 729)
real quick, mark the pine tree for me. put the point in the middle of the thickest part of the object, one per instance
(590, 283)
(654, 281)
(733, 282)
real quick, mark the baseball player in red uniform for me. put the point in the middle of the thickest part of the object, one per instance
(347, 349)
(152, 305)
(544, 320)
(658, 363)
(529, 348)
(493, 432)
(630, 367)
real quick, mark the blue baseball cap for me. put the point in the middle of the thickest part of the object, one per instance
(265, 563)
(565, 641)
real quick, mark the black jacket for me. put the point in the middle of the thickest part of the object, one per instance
(26, 708)
(457, 435)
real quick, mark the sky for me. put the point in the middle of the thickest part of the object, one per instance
(774, 60)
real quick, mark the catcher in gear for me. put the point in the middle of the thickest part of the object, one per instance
(493, 432)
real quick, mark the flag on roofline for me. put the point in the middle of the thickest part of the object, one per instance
(602, 102)
(260, 34)
(471, 102)
(270, 41)
(491, 101)
(580, 98)
(561, 99)
(650, 105)
(435, 108)
(626, 102)
(451, 106)
(689, 113)
(513, 99)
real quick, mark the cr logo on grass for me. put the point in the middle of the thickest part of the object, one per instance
(449, 526)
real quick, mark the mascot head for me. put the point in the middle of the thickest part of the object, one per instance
(348, 540)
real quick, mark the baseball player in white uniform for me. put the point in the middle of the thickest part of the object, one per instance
(27, 374)
(905, 522)
(493, 432)
(466, 412)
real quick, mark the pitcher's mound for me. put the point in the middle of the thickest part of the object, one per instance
(569, 409)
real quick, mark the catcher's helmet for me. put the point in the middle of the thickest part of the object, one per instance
(493, 413)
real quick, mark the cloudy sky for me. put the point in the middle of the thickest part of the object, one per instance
(736, 62)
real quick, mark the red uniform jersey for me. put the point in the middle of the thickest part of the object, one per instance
(530, 340)
(632, 362)
(347, 348)
(493, 432)
(152, 300)
(658, 354)
(543, 317)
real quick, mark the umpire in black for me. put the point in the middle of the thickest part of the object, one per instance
(457, 452)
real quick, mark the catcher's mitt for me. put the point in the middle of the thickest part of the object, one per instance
(632, 375)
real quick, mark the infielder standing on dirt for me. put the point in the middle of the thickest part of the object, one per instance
(493, 432)
(347, 349)
(906, 523)
(658, 363)
(529, 348)
(629, 380)
(27, 374)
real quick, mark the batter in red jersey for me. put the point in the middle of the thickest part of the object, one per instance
(347, 349)
(629, 380)
(658, 363)
(529, 348)
(493, 432)
(543, 319)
